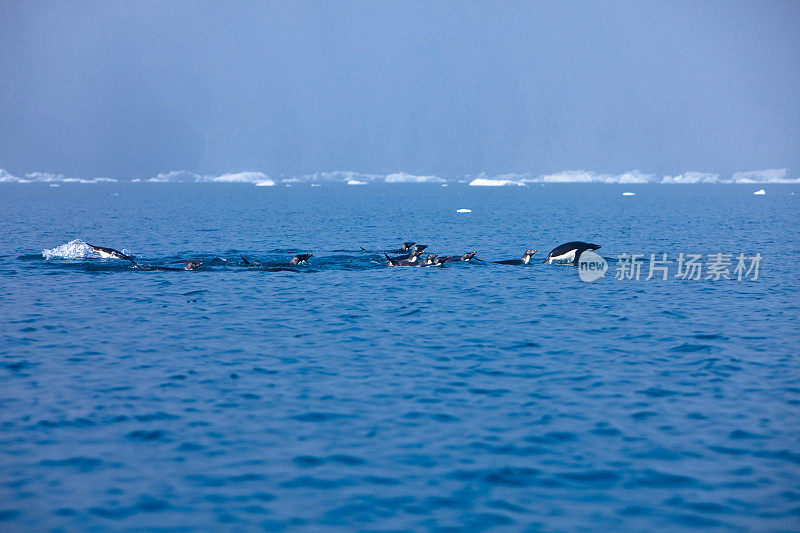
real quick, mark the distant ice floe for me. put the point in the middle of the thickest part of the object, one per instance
(487, 182)
(765, 176)
(582, 176)
(464, 211)
(760, 192)
(341, 176)
(692, 177)
(336, 176)
(183, 176)
(770, 175)
(46, 177)
(242, 177)
(402, 177)
(628, 193)
(635, 177)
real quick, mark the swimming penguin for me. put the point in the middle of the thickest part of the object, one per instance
(110, 252)
(300, 258)
(410, 260)
(469, 256)
(430, 259)
(160, 268)
(405, 247)
(190, 265)
(413, 252)
(526, 257)
(569, 252)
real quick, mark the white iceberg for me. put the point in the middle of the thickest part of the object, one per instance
(486, 182)
(402, 177)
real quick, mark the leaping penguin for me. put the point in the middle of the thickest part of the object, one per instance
(110, 252)
(569, 252)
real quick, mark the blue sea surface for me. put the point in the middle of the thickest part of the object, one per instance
(348, 394)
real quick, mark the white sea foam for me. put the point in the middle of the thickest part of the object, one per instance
(75, 249)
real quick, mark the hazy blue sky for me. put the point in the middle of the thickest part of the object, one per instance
(130, 89)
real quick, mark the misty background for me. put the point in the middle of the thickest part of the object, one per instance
(132, 89)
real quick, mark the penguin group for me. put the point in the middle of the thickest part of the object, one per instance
(412, 256)
(410, 253)
(567, 253)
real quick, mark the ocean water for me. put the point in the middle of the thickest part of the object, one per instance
(347, 394)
